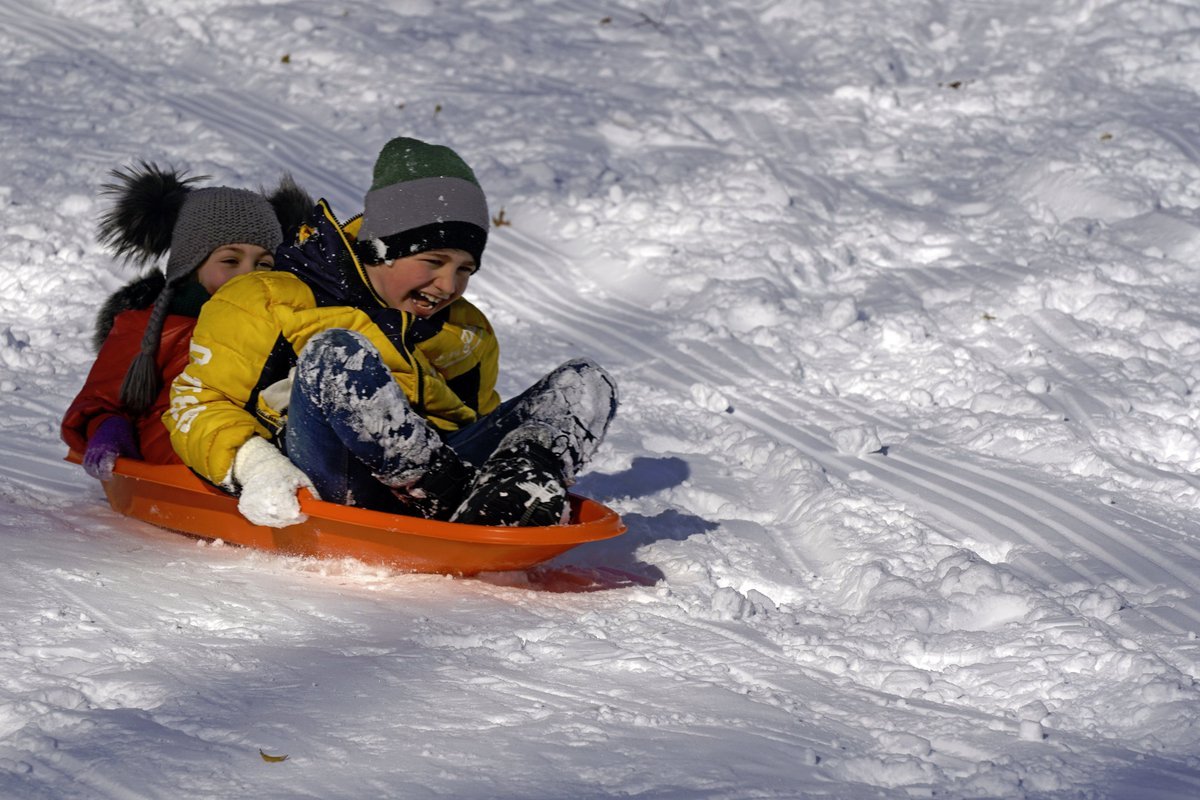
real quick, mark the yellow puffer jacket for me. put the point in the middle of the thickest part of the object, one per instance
(250, 333)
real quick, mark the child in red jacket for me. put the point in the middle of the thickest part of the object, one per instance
(144, 329)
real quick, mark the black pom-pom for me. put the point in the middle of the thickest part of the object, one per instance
(292, 206)
(148, 198)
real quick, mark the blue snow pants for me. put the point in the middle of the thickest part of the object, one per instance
(351, 429)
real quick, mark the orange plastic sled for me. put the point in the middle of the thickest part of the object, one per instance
(172, 497)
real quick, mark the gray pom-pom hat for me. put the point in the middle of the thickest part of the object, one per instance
(151, 201)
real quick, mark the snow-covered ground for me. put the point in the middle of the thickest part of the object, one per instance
(903, 299)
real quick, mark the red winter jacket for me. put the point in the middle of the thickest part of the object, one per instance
(100, 397)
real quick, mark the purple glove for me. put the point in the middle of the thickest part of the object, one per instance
(113, 438)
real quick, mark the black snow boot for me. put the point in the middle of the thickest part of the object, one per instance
(439, 490)
(521, 483)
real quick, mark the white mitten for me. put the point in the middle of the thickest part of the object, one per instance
(269, 484)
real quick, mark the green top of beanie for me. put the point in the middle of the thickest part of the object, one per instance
(403, 159)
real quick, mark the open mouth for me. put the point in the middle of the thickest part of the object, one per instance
(425, 302)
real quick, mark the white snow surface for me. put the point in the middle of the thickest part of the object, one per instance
(903, 302)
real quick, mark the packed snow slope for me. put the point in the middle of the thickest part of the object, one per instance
(903, 301)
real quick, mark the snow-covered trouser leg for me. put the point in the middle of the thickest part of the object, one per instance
(577, 401)
(351, 429)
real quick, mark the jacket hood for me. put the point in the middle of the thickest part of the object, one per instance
(323, 257)
(137, 294)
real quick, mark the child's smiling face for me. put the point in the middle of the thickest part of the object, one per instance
(425, 283)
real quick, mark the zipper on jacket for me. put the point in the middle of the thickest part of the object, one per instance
(412, 359)
(361, 269)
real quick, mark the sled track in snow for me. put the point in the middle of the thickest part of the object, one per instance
(1048, 331)
(1082, 407)
(273, 134)
(279, 134)
(966, 495)
(733, 657)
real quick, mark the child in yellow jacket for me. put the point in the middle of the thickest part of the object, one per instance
(362, 373)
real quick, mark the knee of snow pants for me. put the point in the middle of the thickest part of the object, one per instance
(350, 426)
(577, 399)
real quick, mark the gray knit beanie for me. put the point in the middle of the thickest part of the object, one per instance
(423, 197)
(217, 216)
(208, 218)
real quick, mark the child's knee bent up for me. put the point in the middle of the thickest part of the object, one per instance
(344, 397)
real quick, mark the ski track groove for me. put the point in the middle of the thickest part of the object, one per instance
(1154, 125)
(519, 685)
(276, 131)
(41, 485)
(917, 450)
(1082, 407)
(1033, 520)
(708, 632)
(873, 699)
(1121, 549)
(1074, 404)
(242, 117)
(1038, 519)
(921, 489)
(68, 36)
